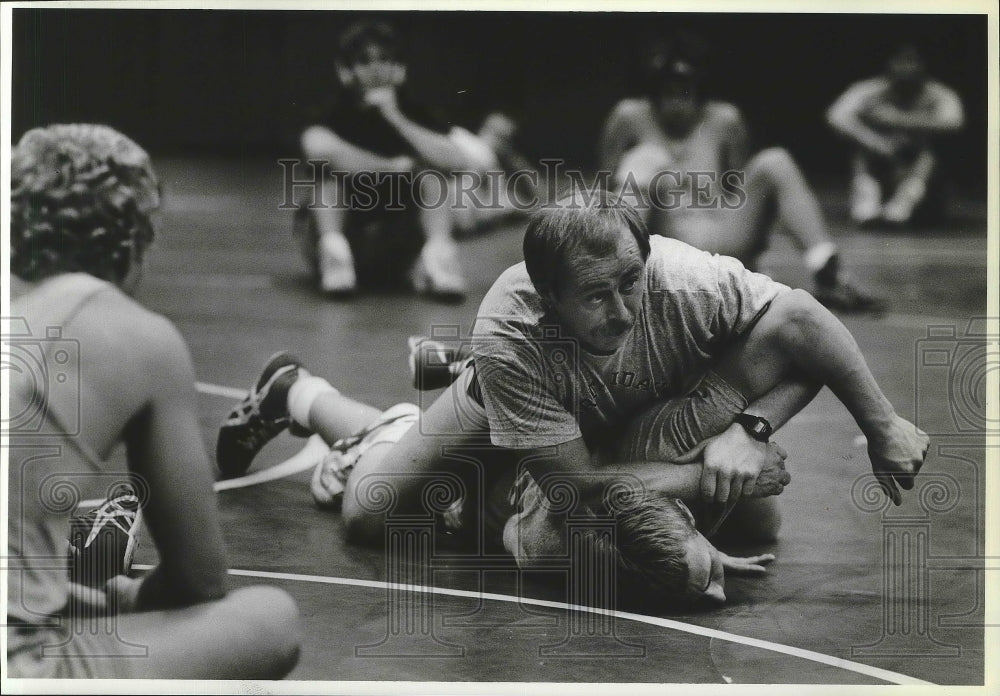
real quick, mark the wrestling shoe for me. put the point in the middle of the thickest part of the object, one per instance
(330, 476)
(103, 541)
(437, 271)
(866, 199)
(844, 296)
(900, 207)
(836, 291)
(336, 265)
(433, 365)
(259, 417)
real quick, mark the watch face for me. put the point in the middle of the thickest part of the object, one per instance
(758, 427)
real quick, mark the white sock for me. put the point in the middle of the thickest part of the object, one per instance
(817, 256)
(302, 395)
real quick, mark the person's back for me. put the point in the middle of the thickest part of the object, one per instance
(92, 370)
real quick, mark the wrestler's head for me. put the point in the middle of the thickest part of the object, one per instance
(672, 71)
(369, 56)
(586, 256)
(82, 196)
(906, 73)
(659, 551)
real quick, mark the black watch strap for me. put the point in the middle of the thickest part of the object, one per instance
(756, 426)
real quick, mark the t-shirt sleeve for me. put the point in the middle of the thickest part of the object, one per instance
(743, 297)
(522, 410)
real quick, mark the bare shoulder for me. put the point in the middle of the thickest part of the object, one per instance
(723, 114)
(632, 110)
(132, 338)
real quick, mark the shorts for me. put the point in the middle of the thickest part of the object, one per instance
(56, 652)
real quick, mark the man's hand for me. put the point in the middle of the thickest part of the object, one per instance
(771, 481)
(382, 98)
(122, 593)
(88, 601)
(731, 463)
(897, 455)
(754, 565)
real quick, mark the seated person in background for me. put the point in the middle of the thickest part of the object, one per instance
(82, 197)
(607, 354)
(378, 142)
(895, 122)
(687, 156)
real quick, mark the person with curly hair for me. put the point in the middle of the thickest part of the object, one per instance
(114, 373)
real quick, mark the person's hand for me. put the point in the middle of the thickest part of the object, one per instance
(754, 565)
(88, 601)
(771, 481)
(897, 455)
(122, 593)
(382, 98)
(731, 463)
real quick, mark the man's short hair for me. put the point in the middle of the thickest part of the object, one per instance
(81, 198)
(363, 33)
(651, 541)
(592, 220)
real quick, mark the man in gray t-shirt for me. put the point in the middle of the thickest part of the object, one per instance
(606, 358)
(694, 306)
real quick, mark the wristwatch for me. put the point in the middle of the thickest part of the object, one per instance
(756, 426)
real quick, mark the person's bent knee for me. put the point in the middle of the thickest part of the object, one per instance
(276, 623)
(790, 313)
(315, 142)
(774, 159)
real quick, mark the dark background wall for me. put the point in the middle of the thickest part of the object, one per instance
(245, 82)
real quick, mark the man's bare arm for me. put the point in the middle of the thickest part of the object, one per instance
(165, 449)
(436, 149)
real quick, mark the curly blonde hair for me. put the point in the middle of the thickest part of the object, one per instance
(81, 198)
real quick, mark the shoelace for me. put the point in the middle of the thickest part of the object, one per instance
(111, 513)
(346, 443)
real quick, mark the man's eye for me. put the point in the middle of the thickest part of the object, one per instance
(628, 285)
(594, 299)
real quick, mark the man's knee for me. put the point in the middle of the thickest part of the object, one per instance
(316, 142)
(784, 324)
(773, 161)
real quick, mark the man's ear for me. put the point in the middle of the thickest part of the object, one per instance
(344, 74)
(687, 512)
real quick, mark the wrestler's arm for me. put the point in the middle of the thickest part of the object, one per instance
(572, 463)
(165, 450)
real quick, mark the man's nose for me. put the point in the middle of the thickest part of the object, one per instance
(715, 593)
(618, 311)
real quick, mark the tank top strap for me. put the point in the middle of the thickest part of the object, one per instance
(57, 300)
(48, 309)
